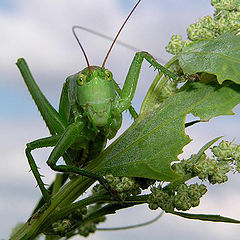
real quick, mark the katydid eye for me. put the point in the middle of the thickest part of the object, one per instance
(81, 79)
(109, 75)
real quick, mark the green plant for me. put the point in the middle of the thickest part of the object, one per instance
(204, 73)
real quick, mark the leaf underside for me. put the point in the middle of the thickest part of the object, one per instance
(220, 56)
(152, 142)
(206, 217)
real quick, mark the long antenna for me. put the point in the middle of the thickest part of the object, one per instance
(84, 53)
(123, 44)
(119, 31)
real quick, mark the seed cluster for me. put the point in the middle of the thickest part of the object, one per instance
(182, 198)
(226, 19)
(123, 187)
(205, 168)
(226, 158)
(230, 152)
(63, 226)
(90, 227)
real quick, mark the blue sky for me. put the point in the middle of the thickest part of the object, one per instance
(40, 31)
(7, 5)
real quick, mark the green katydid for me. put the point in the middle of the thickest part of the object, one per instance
(90, 112)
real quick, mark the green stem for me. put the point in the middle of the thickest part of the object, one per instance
(111, 208)
(70, 192)
(65, 211)
(57, 183)
(49, 237)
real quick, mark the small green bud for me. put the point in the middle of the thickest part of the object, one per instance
(85, 230)
(109, 178)
(204, 29)
(62, 227)
(224, 150)
(195, 202)
(175, 45)
(238, 167)
(119, 187)
(179, 168)
(202, 189)
(218, 177)
(182, 201)
(182, 188)
(236, 153)
(153, 206)
(161, 199)
(228, 5)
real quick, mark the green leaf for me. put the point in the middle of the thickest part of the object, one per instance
(221, 102)
(205, 148)
(220, 56)
(206, 217)
(153, 141)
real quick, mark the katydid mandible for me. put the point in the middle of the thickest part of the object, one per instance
(90, 113)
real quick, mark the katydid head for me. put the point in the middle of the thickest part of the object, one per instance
(96, 94)
(95, 88)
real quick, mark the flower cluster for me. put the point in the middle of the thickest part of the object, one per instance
(228, 151)
(182, 198)
(229, 5)
(122, 186)
(63, 226)
(205, 168)
(226, 157)
(175, 45)
(90, 227)
(226, 19)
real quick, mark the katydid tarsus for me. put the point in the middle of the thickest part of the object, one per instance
(90, 113)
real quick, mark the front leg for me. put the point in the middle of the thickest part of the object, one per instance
(130, 84)
(40, 143)
(131, 109)
(67, 139)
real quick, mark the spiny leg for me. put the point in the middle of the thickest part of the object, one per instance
(100, 179)
(130, 84)
(66, 140)
(41, 202)
(40, 143)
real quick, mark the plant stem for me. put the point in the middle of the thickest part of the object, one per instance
(70, 192)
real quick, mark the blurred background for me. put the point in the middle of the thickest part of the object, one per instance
(40, 31)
